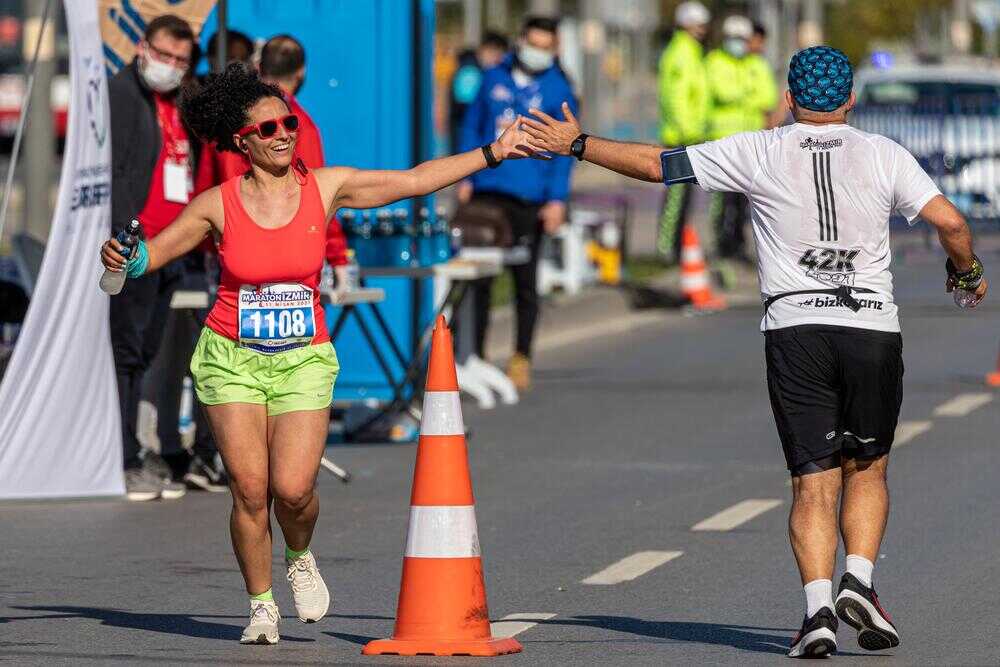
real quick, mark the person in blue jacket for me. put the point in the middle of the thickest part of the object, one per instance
(532, 196)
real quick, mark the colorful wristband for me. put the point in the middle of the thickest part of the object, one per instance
(139, 262)
(968, 280)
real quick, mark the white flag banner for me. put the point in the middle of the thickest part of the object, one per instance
(60, 434)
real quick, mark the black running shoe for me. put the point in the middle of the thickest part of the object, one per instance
(858, 606)
(818, 636)
(206, 476)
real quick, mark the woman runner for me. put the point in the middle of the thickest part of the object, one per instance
(264, 367)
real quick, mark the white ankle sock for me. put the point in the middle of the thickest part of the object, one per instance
(819, 593)
(861, 568)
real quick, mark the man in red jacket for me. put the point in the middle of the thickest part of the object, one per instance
(283, 63)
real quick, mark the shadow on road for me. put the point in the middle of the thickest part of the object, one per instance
(743, 637)
(186, 625)
(737, 636)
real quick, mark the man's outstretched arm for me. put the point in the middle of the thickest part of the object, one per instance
(641, 161)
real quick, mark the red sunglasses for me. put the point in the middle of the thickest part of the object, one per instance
(268, 128)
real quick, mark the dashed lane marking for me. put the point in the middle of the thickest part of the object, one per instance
(907, 431)
(515, 624)
(737, 515)
(962, 405)
(631, 567)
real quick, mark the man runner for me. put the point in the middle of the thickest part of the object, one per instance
(821, 195)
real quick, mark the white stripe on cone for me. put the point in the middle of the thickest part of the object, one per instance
(442, 414)
(442, 532)
(699, 281)
(690, 255)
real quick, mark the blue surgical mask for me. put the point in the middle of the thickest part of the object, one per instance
(535, 59)
(735, 46)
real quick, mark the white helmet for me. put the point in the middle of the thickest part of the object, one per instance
(739, 27)
(691, 13)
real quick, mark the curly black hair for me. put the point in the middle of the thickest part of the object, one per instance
(217, 109)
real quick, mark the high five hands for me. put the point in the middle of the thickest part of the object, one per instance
(549, 134)
(515, 144)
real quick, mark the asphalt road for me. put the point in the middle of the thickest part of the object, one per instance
(629, 441)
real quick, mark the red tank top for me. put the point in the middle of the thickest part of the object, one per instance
(268, 298)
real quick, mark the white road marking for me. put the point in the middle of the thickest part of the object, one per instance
(962, 405)
(907, 431)
(597, 330)
(631, 567)
(515, 624)
(737, 515)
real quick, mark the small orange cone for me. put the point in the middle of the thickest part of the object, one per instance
(442, 599)
(993, 379)
(695, 283)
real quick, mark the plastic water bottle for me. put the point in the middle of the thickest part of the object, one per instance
(326, 278)
(964, 298)
(112, 282)
(185, 422)
(352, 279)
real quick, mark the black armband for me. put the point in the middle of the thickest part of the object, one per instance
(491, 160)
(677, 167)
(965, 280)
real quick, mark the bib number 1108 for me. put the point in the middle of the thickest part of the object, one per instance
(282, 323)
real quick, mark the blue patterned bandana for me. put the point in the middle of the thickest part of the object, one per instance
(820, 78)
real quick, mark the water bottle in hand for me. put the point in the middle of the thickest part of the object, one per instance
(112, 282)
(964, 298)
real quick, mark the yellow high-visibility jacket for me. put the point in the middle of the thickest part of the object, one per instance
(730, 94)
(683, 91)
(763, 89)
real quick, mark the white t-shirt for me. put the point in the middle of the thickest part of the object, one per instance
(820, 199)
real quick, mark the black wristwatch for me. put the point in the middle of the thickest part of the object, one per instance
(578, 146)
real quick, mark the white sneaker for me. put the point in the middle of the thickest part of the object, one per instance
(312, 599)
(263, 626)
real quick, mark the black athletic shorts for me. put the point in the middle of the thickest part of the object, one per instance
(834, 391)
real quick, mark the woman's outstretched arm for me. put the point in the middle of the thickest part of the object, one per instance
(363, 188)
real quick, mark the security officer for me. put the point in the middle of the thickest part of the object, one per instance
(683, 95)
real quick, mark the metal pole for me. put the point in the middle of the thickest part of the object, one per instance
(498, 15)
(811, 26)
(544, 7)
(39, 133)
(472, 22)
(961, 27)
(35, 25)
(222, 37)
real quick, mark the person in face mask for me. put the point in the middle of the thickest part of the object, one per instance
(732, 109)
(531, 197)
(154, 173)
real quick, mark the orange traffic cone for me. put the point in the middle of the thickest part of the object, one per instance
(695, 283)
(993, 379)
(442, 599)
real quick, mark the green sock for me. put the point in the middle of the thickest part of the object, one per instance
(291, 554)
(266, 596)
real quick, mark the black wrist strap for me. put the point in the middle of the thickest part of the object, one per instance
(491, 160)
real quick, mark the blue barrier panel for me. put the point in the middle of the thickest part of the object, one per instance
(368, 87)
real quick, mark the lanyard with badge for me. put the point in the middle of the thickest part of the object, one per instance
(177, 178)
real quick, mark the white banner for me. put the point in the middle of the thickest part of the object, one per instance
(59, 424)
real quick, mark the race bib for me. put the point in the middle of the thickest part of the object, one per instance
(276, 317)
